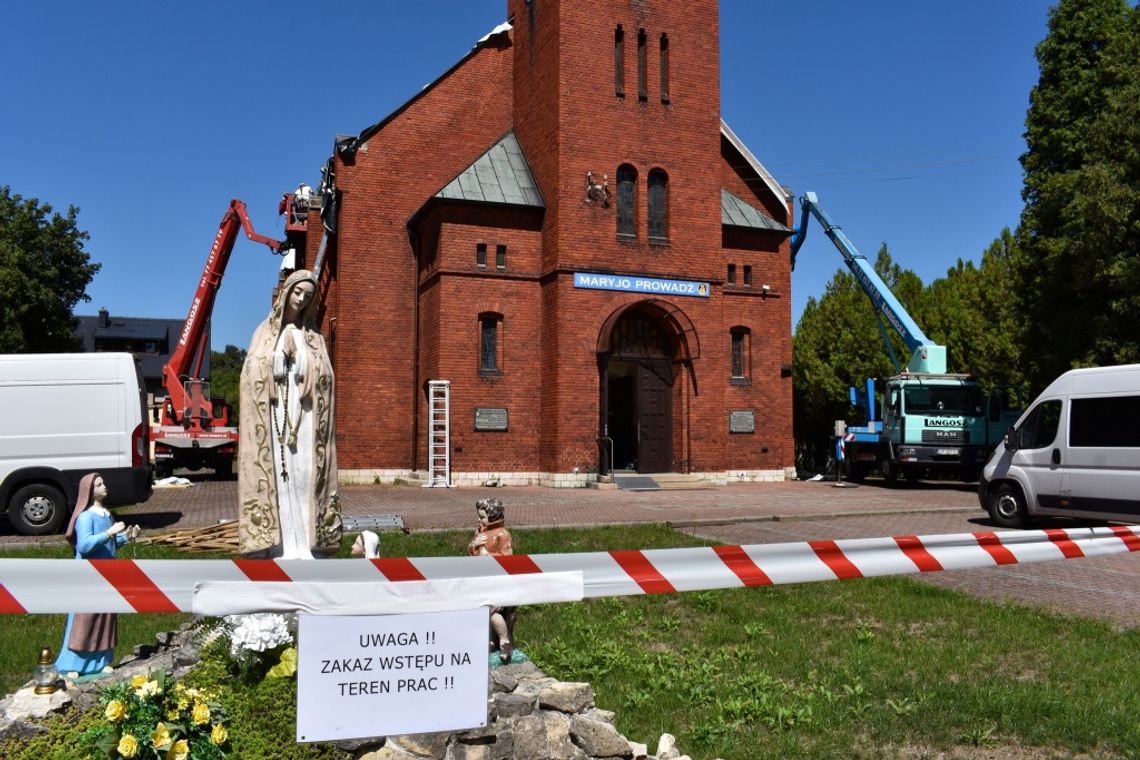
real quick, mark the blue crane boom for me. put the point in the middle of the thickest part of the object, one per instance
(926, 356)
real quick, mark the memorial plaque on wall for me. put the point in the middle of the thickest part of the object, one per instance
(742, 421)
(490, 418)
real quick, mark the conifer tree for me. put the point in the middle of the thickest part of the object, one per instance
(1076, 252)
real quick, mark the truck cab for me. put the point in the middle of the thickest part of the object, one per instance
(933, 424)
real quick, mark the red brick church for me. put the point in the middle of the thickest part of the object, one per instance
(562, 228)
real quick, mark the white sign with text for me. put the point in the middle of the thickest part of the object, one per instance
(382, 675)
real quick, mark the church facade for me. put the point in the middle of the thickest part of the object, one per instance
(564, 229)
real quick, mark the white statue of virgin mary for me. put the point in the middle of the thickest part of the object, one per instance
(287, 454)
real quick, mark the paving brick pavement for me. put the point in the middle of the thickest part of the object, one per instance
(208, 501)
(1107, 588)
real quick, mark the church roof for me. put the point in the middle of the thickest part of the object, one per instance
(349, 144)
(781, 194)
(738, 213)
(501, 175)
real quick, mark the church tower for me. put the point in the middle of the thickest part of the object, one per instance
(624, 95)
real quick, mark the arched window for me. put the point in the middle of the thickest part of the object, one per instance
(658, 205)
(626, 201)
(490, 343)
(642, 89)
(619, 61)
(740, 349)
(638, 336)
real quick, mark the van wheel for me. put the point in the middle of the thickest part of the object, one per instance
(1007, 507)
(37, 510)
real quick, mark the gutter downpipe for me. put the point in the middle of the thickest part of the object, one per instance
(414, 240)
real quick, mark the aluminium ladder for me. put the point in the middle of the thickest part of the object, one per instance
(439, 434)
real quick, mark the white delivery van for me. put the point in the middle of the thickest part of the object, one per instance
(61, 417)
(1074, 453)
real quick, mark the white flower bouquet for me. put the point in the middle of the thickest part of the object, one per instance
(261, 645)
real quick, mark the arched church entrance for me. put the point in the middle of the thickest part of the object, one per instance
(640, 350)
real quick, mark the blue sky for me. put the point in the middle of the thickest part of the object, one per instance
(906, 117)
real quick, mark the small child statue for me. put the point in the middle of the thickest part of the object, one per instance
(492, 538)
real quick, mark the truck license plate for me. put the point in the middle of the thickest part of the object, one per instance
(948, 452)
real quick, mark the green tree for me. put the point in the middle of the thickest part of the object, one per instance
(972, 313)
(225, 376)
(44, 273)
(1108, 201)
(1076, 252)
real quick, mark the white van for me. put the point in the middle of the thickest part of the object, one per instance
(1074, 453)
(61, 417)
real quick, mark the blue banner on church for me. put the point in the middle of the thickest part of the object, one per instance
(648, 285)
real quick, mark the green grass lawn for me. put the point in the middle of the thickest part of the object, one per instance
(838, 669)
(869, 668)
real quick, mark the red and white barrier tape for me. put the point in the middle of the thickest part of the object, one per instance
(52, 586)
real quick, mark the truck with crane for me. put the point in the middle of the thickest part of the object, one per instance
(195, 430)
(933, 422)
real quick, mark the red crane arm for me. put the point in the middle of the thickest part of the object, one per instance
(192, 338)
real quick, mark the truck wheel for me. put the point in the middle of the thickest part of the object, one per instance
(223, 470)
(889, 470)
(1007, 507)
(37, 510)
(855, 471)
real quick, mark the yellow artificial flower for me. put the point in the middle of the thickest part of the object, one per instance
(180, 750)
(138, 681)
(115, 711)
(148, 689)
(200, 714)
(173, 715)
(219, 735)
(128, 746)
(160, 739)
(182, 701)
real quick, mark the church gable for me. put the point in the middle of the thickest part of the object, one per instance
(745, 177)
